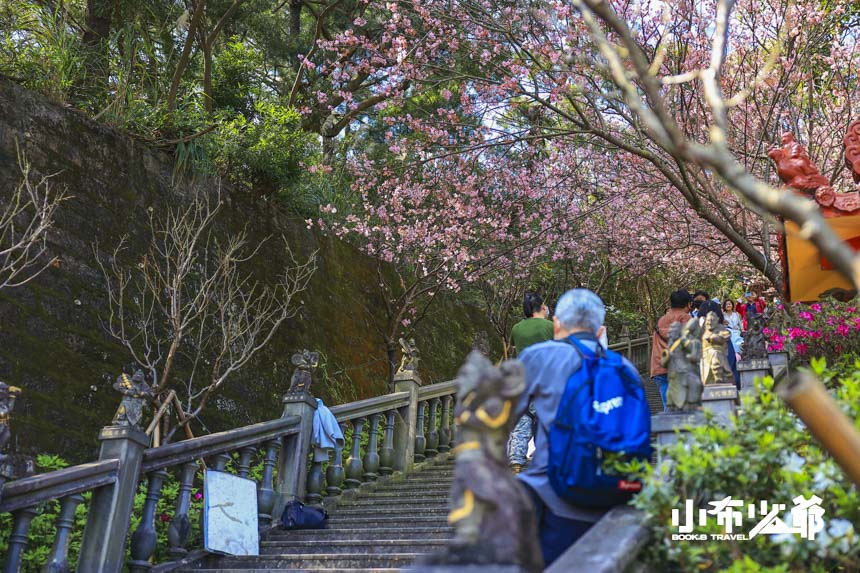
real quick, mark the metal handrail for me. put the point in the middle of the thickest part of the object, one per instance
(30, 491)
(230, 440)
(370, 406)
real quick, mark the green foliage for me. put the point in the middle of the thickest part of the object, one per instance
(235, 78)
(39, 47)
(766, 454)
(619, 321)
(334, 382)
(264, 152)
(43, 528)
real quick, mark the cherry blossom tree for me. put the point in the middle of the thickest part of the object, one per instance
(544, 75)
(597, 133)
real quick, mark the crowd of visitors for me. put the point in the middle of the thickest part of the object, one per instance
(735, 315)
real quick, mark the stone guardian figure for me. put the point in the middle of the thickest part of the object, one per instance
(8, 395)
(409, 362)
(715, 354)
(755, 345)
(491, 512)
(681, 357)
(302, 378)
(136, 394)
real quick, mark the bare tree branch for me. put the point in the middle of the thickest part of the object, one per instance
(25, 220)
(186, 310)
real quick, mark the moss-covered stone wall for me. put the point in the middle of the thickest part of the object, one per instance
(53, 344)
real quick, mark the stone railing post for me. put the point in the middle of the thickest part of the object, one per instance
(665, 426)
(405, 420)
(721, 400)
(749, 370)
(103, 544)
(293, 460)
(778, 364)
(111, 506)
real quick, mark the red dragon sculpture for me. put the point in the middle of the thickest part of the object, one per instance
(797, 171)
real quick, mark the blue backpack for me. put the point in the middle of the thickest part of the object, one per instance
(299, 516)
(603, 409)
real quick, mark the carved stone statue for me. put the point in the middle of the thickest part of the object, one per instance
(136, 394)
(681, 357)
(8, 394)
(12, 466)
(482, 342)
(755, 345)
(715, 353)
(409, 362)
(794, 167)
(305, 362)
(491, 512)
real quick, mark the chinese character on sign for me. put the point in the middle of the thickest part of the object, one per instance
(806, 518)
(807, 515)
(770, 523)
(688, 521)
(726, 515)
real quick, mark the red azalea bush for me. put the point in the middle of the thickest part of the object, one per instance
(829, 329)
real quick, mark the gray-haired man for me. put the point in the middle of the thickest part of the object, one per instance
(579, 314)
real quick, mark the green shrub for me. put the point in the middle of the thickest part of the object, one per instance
(766, 454)
(43, 527)
(40, 47)
(264, 152)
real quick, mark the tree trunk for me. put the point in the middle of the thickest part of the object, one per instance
(196, 18)
(327, 149)
(95, 39)
(207, 75)
(391, 353)
(295, 19)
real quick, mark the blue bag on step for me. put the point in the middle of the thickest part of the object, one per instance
(299, 516)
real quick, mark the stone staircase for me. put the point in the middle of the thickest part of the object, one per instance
(382, 526)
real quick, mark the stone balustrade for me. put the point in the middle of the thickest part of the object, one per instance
(384, 435)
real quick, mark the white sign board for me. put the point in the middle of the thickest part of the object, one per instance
(230, 514)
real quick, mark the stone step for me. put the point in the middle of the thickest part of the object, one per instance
(423, 480)
(348, 546)
(435, 470)
(444, 462)
(364, 533)
(393, 521)
(435, 485)
(315, 570)
(340, 562)
(395, 501)
(419, 480)
(435, 474)
(371, 512)
(408, 493)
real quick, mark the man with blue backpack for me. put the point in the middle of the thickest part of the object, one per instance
(588, 401)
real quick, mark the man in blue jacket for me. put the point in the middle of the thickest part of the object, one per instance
(548, 365)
